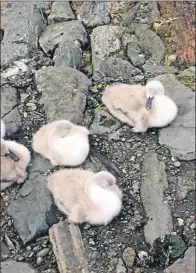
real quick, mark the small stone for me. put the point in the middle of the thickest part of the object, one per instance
(43, 252)
(61, 12)
(180, 222)
(31, 106)
(39, 260)
(128, 256)
(192, 226)
(120, 268)
(142, 255)
(177, 164)
(28, 248)
(123, 139)
(134, 54)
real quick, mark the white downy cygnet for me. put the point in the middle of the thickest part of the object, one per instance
(62, 142)
(14, 161)
(139, 106)
(86, 197)
(2, 129)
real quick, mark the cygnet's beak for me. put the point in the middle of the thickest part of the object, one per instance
(149, 103)
(14, 157)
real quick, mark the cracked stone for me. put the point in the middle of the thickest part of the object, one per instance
(61, 12)
(63, 93)
(33, 211)
(183, 146)
(103, 123)
(68, 54)
(151, 191)
(66, 31)
(105, 40)
(11, 266)
(152, 70)
(116, 67)
(9, 110)
(134, 53)
(151, 42)
(93, 14)
(70, 256)
(185, 264)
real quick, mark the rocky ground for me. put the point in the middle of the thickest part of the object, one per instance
(56, 60)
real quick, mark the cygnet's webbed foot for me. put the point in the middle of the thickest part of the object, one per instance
(149, 103)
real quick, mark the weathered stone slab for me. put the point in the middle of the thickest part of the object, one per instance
(103, 123)
(180, 136)
(33, 211)
(9, 110)
(151, 191)
(66, 31)
(68, 248)
(151, 42)
(61, 12)
(152, 70)
(11, 266)
(105, 40)
(93, 13)
(116, 68)
(186, 264)
(68, 54)
(63, 93)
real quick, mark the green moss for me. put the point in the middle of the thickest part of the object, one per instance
(188, 81)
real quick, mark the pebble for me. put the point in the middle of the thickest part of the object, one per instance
(180, 222)
(32, 106)
(123, 139)
(128, 256)
(43, 252)
(192, 226)
(39, 260)
(28, 248)
(177, 164)
(142, 255)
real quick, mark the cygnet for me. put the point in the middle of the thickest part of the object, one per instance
(86, 197)
(62, 142)
(139, 106)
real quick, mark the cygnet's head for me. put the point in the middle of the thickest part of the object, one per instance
(4, 147)
(76, 129)
(153, 89)
(62, 128)
(105, 179)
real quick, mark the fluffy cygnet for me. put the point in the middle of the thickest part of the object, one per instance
(86, 197)
(14, 161)
(62, 142)
(2, 129)
(142, 107)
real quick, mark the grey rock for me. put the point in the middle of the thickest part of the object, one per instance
(66, 31)
(120, 267)
(61, 12)
(151, 191)
(153, 15)
(189, 72)
(14, 44)
(4, 250)
(94, 13)
(134, 54)
(183, 146)
(105, 40)
(186, 264)
(178, 246)
(63, 93)
(70, 256)
(9, 110)
(68, 54)
(103, 123)
(36, 25)
(130, 16)
(116, 67)
(150, 42)
(44, 252)
(33, 211)
(11, 266)
(152, 70)
(39, 164)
